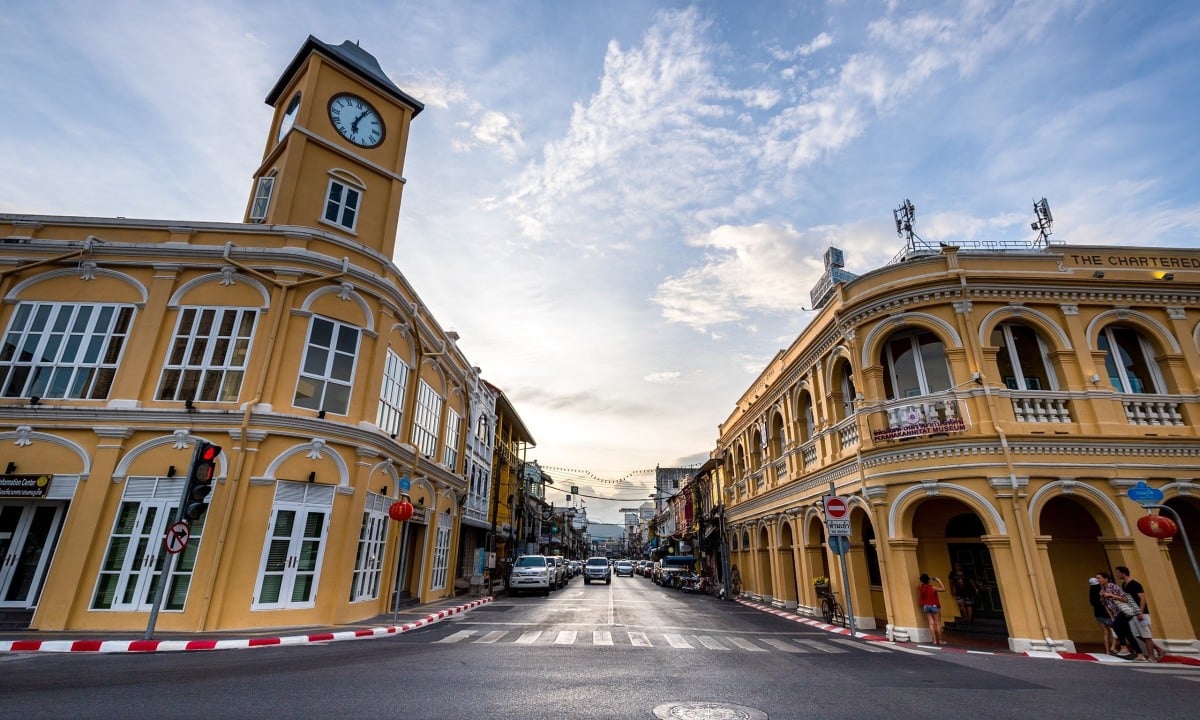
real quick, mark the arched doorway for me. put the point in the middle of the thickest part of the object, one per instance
(866, 573)
(1076, 554)
(1188, 509)
(788, 590)
(762, 575)
(952, 532)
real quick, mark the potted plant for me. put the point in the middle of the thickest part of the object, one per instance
(820, 583)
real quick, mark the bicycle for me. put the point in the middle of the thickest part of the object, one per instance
(831, 609)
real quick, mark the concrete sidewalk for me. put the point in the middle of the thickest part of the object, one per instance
(405, 619)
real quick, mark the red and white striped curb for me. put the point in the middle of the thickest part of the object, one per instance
(146, 646)
(838, 629)
(1059, 655)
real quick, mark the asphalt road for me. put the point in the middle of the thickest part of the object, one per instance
(619, 651)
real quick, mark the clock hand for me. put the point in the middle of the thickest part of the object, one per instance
(354, 125)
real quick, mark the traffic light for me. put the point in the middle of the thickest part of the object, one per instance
(200, 480)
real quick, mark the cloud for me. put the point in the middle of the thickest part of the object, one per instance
(663, 377)
(496, 129)
(752, 268)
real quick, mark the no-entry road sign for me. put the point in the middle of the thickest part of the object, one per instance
(836, 508)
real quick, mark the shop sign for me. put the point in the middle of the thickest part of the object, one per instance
(24, 486)
(918, 429)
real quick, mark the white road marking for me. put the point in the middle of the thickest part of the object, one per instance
(823, 647)
(710, 643)
(460, 635)
(601, 637)
(529, 638)
(492, 637)
(864, 646)
(783, 645)
(677, 641)
(745, 644)
(639, 639)
(565, 637)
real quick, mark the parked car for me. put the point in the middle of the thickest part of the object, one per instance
(530, 572)
(672, 567)
(597, 568)
(559, 572)
(624, 567)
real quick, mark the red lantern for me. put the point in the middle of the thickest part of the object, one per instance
(400, 511)
(1157, 526)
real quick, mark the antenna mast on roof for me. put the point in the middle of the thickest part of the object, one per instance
(1045, 220)
(905, 216)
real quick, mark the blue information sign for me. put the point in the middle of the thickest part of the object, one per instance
(405, 485)
(839, 544)
(1144, 494)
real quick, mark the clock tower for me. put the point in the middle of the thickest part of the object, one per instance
(334, 158)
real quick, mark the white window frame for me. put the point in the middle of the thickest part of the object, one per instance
(390, 416)
(1014, 359)
(327, 366)
(136, 570)
(428, 418)
(63, 350)
(343, 203)
(921, 372)
(453, 433)
(372, 542)
(441, 553)
(305, 500)
(1153, 384)
(262, 198)
(209, 351)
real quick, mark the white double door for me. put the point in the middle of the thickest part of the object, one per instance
(28, 534)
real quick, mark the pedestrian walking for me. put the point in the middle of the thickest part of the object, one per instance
(931, 605)
(1100, 612)
(1117, 603)
(1140, 623)
(964, 589)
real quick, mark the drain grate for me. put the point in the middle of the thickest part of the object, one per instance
(707, 711)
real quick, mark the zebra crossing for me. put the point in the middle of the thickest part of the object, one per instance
(676, 641)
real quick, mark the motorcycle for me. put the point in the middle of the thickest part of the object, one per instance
(695, 583)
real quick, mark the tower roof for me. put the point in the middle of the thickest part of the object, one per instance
(354, 57)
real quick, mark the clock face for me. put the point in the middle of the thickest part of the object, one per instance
(356, 120)
(289, 116)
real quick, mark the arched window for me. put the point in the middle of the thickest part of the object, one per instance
(807, 420)
(845, 384)
(914, 364)
(1130, 361)
(777, 437)
(1023, 359)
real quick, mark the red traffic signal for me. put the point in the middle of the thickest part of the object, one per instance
(199, 483)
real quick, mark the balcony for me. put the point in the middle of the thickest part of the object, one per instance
(1151, 410)
(1040, 407)
(847, 432)
(917, 417)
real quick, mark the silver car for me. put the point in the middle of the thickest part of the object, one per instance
(559, 575)
(531, 572)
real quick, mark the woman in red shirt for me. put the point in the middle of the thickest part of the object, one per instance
(927, 596)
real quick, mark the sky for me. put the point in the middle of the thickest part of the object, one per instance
(621, 206)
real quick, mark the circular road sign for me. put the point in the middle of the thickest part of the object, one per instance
(177, 537)
(836, 508)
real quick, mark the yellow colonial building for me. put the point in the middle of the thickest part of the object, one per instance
(989, 406)
(291, 340)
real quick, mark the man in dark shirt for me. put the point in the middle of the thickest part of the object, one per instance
(1140, 625)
